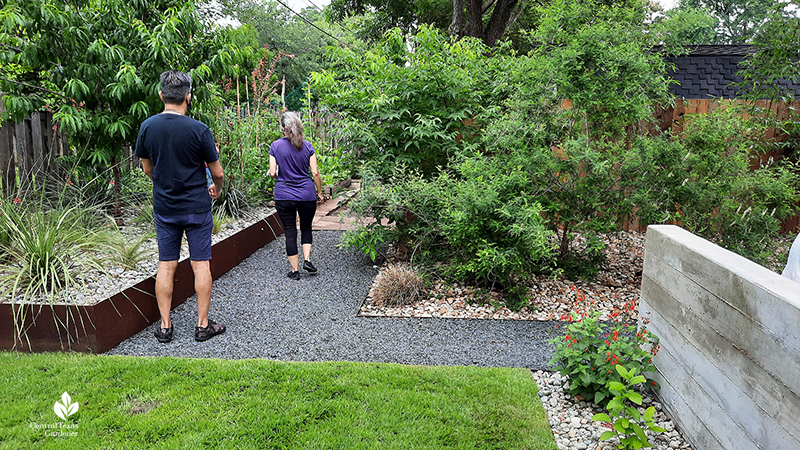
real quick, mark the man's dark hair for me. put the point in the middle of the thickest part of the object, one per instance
(174, 86)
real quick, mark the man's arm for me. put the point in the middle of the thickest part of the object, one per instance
(217, 176)
(147, 167)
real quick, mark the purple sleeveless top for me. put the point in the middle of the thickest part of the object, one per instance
(294, 177)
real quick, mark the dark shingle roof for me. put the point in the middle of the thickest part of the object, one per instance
(708, 71)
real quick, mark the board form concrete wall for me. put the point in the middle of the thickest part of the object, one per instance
(729, 365)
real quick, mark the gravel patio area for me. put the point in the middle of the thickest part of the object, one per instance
(315, 319)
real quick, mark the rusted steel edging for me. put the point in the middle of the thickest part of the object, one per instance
(100, 327)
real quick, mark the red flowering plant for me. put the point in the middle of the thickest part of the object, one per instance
(588, 350)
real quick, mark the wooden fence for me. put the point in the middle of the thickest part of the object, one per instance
(28, 150)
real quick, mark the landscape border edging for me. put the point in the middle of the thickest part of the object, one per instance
(100, 327)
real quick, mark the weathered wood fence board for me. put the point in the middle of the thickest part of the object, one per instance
(8, 166)
(28, 149)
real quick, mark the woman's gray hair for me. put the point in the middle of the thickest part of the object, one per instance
(175, 86)
(293, 128)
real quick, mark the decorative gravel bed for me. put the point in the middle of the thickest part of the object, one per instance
(271, 316)
(100, 285)
(617, 283)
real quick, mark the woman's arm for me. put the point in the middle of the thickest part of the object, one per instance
(315, 175)
(273, 167)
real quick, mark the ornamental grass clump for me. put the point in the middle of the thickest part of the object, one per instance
(397, 285)
(588, 350)
(45, 252)
(127, 252)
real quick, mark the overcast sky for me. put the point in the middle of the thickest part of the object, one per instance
(668, 4)
(299, 5)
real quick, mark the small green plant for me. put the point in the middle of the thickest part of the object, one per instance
(626, 421)
(128, 253)
(145, 216)
(587, 351)
(584, 264)
(220, 220)
(368, 239)
(516, 297)
(396, 285)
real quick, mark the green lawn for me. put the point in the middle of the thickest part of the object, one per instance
(171, 403)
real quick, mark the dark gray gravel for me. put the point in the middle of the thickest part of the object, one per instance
(271, 316)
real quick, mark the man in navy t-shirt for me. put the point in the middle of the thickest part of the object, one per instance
(174, 150)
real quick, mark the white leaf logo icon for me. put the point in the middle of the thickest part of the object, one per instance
(66, 408)
(61, 411)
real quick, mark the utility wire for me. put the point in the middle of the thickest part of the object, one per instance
(310, 3)
(320, 10)
(311, 23)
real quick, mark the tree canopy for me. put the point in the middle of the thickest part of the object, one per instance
(282, 31)
(97, 65)
(738, 20)
(487, 21)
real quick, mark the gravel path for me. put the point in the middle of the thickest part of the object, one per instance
(315, 319)
(270, 316)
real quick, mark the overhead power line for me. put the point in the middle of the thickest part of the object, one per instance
(311, 23)
(310, 3)
(338, 21)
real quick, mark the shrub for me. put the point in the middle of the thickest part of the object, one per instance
(397, 285)
(126, 252)
(629, 423)
(703, 182)
(587, 352)
(479, 217)
(220, 220)
(145, 216)
(407, 100)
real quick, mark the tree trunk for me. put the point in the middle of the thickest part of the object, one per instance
(565, 241)
(457, 23)
(498, 23)
(474, 25)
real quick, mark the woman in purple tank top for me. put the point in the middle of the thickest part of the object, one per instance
(293, 162)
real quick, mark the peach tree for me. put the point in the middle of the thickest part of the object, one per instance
(96, 65)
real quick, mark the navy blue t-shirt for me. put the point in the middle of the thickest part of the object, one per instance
(178, 147)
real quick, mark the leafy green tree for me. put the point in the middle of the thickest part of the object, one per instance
(777, 55)
(739, 20)
(766, 72)
(416, 102)
(97, 65)
(574, 103)
(686, 26)
(597, 56)
(487, 21)
(281, 31)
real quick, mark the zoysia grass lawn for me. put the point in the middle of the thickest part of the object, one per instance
(172, 403)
